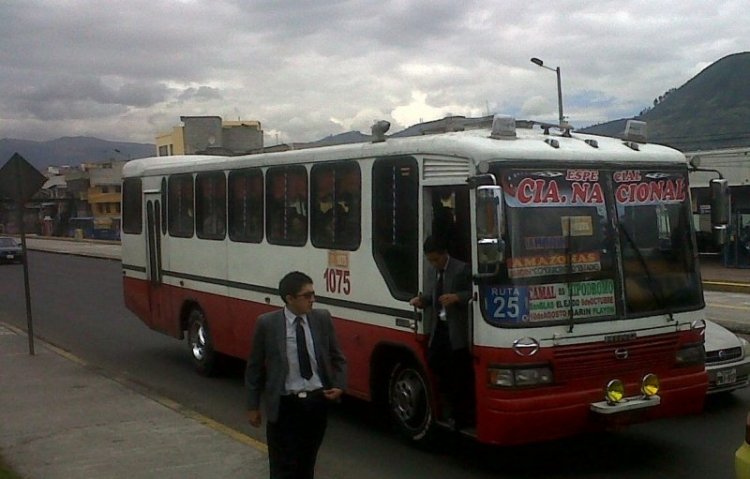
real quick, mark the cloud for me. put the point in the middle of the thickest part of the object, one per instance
(306, 70)
(202, 93)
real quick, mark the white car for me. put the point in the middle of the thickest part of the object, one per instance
(727, 359)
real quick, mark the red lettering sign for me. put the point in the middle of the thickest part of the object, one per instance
(651, 191)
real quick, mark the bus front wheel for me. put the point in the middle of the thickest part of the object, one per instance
(202, 352)
(409, 402)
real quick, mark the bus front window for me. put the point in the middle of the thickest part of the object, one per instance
(658, 254)
(560, 265)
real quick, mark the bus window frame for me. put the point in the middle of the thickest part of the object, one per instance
(199, 197)
(342, 167)
(132, 215)
(286, 239)
(171, 217)
(244, 175)
(381, 262)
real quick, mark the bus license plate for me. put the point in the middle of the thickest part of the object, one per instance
(728, 376)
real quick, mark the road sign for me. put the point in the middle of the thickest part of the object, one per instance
(19, 180)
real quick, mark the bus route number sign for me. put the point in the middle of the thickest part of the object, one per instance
(507, 305)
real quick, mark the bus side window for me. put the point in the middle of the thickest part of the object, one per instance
(210, 203)
(335, 206)
(132, 206)
(246, 205)
(286, 205)
(180, 215)
(395, 235)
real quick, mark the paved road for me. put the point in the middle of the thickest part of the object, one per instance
(78, 306)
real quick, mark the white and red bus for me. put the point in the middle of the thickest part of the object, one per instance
(587, 305)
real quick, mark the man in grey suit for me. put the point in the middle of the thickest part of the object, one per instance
(445, 301)
(297, 366)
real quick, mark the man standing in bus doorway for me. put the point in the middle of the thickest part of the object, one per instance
(446, 298)
(297, 366)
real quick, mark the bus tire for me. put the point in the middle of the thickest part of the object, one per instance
(409, 402)
(204, 357)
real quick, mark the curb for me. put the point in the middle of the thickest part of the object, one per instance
(726, 287)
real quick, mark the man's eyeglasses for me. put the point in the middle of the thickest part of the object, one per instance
(308, 295)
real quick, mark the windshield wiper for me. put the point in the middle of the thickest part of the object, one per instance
(568, 276)
(656, 287)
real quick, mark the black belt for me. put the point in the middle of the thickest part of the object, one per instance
(305, 394)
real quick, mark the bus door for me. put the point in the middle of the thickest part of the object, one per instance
(447, 216)
(157, 296)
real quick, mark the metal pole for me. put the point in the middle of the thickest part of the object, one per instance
(21, 203)
(559, 96)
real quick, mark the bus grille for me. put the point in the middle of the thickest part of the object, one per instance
(729, 354)
(599, 359)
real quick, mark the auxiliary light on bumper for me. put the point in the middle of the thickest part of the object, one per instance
(615, 400)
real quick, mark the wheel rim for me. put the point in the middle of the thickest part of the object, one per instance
(198, 341)
(409, 400)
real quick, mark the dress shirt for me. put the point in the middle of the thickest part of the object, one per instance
(294, 381)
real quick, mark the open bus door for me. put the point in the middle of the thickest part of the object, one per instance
(447, 216)
(157, 295)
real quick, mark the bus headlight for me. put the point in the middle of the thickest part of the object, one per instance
(691, 355)
(650, 385)
(508, 377)
(614, 392)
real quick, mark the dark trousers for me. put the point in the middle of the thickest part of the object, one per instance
(455, 373)
(294, 439)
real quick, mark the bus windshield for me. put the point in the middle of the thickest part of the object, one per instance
(575, 236)
(658, 253)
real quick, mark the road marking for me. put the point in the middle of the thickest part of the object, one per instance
(729, 306)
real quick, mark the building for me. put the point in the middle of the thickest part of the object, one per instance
(210, 135)
(734, 165)
(83, 201)
(105, 197)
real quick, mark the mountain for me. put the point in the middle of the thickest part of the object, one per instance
(72, 151)
(710, 111)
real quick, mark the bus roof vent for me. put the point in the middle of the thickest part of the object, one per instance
(632, 145)
(592, 143)
(379, 128)
(503, 127)
(635, 131)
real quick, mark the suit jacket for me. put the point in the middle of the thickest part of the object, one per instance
(267, 366)
(457, 280)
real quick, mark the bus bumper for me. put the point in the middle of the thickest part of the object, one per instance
(553, 415)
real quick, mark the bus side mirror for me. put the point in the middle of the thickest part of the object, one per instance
(720, 209)
(490, 221)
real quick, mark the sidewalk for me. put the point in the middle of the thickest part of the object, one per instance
(61, 419)
(717, 277)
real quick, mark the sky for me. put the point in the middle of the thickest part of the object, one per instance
(127, 70)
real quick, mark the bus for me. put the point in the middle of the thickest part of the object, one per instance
(587, 309)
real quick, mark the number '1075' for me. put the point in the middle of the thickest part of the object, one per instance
(337, 281)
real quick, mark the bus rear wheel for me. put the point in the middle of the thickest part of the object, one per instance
(204, 357)
(409, 402)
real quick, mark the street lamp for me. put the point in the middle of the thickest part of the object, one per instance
(540, 63)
